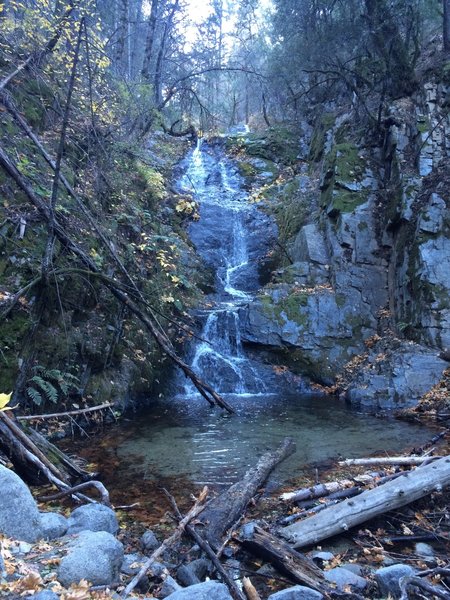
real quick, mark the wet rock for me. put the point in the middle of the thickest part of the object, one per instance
(94, 556)
(193, 572)
(298, 592)
(19, 514)
(388, 578)
(344, 578)
(210, 590)
(169, 587)
(93, 517)
(53, 525)
(149, 541)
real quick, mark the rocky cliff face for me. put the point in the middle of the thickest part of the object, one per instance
(362, 285)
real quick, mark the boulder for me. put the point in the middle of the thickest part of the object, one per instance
(210, 590)
(94, 556)
(298, 592)
(19, 514)
(53, 525)
(149, 541)
(388, 578)
(43, 595)
(93, 517)
(193, 572)
(344, 578)
(169, 587)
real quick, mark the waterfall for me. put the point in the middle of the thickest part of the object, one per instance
(222, 236)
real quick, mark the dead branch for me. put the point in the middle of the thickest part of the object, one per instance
(70, 413)
(387, 460)
(98, 485)
(250, 589)
(194, 512)
(234, 590)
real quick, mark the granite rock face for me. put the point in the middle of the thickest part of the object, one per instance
(366, 262)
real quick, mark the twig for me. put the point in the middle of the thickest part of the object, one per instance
(195, 510)
(250, 590)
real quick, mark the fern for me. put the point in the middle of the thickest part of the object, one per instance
(34, 395)
(49, 390)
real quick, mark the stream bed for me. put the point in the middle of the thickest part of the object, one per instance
(181, 442)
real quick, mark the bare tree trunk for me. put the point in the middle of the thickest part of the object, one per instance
(446, 25)
(145, 72)
(162, 49)
(122, 30)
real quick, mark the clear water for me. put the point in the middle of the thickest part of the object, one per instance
(181, 440)
(193, 442)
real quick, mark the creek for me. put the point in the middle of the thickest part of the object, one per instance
(183, 443)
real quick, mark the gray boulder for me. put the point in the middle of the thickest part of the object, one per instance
(19, 514)
(210, 590)
(149, 541)
(388, 578)
(132, 563)
(93, 517)
(193, 572)
(298, 592)
(345, 578)
(169, 587)
(94, 556)
(53, 525)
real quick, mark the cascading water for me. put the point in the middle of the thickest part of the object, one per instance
(223, 239)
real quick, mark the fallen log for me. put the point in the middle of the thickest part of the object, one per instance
(195, 511)
(387, 460)
(295, 565)
(317, 491)
(406, 488)
(222, 512)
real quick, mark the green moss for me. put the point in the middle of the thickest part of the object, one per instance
(317, 145)
(343, 165)
(289, 308)
(246, 169)
(12, 333)
(278, 144)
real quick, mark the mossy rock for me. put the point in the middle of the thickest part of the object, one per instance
(278, 144)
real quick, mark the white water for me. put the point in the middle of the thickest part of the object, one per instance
(217, 187)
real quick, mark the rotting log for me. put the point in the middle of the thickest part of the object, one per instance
(224, 510)
(287, 561)
(403, 490)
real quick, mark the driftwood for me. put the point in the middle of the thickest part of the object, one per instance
(408, 487)
(70, 413)
(234, 590)
(195, 511)
(98, 485)
(317, 491)
(222, 512)
(295, 565)
(387, 460)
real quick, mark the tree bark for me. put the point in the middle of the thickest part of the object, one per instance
(148, 54)
(287, 561)
(223, 511)
(403, 490)
(446, 25)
